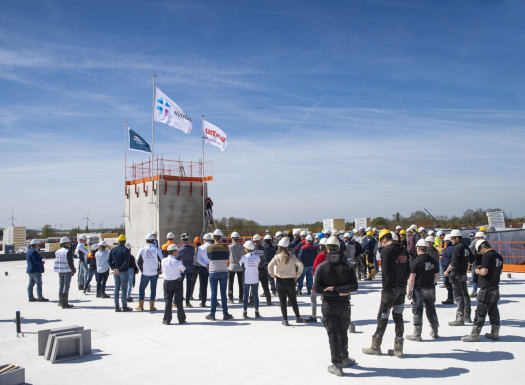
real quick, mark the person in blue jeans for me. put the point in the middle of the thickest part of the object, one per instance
(250, 263)
(35, 268)
(119, 262)
(149, 262)
(307, 255)
(218, 255)
(82, 253)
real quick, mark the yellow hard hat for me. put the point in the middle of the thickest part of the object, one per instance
(403, 232)
(483, 228)
(121, 238)
(368, 233)
(382, 233)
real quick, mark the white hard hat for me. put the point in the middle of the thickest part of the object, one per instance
(398, 227)
(150, 237)
(361, 229)
(170, 235)
(249, 245)
(34, 242)
(421, 229)
(207, 237)
(128, 246)
(283, 242)
(439, 233)
(154, 232)
(447, 237)
(394, 236)
(217, 233)
(430, 238)
(235, 234)
(413, 227)
(103, 243)
(480, 234)
(456, 233)
(430, 232)
(333, 240)
(368, 229)
(173, 247)
(309, 238)
(278, 234)
(185, 237)
(336, 233)
(83, 237)
(374, 229)
(479, 243)
(347, 235)
(268, 236)
(94, 246)
(256, 237)
(422, 243)
(65, 240)
(296, 232)
(323, 241)
(304, 233)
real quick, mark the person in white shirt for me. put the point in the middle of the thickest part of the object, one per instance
(149, 262)
(172, 268)
(204, 262)
(250, 264)
(82, 253)
(102, 274)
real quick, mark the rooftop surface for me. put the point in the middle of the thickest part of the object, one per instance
(131, 348)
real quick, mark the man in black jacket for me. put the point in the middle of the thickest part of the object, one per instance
(334, 280)
(395, 270)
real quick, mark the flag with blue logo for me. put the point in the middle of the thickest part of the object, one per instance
(168, 112)
(137, 143)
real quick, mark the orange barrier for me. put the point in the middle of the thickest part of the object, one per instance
(513, 254)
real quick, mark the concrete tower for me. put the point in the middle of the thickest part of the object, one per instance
(166, 196)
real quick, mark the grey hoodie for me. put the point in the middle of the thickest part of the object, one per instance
(236, 252)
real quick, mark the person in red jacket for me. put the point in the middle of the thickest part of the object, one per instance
(321, 257)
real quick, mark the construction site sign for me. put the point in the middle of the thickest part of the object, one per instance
(496, 219)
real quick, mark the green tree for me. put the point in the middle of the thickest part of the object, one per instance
(47, 231)
(379, 221)
(74, 231)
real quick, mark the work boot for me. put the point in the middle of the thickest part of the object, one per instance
(257, 314)
(416, 336)
(285, 322)
(141, 305)
(398, 348)
(335, 370)
(448, 302)
(347, 362)
(375, 348)
(494, 333)
(227, 316)
(245, 314)
(269, 303)
(127, 308)
(59, 299)
(474, 335)
(458, 322)
(65, 304)
(81, 287)
(152, 306)
(117, 309)
(434, 332)
(188, 304)
(42, 299)
(467, 318)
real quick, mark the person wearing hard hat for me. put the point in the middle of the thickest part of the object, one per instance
(269, 252)
(204, 262)
(321, 257)
(250, 263)
(149, 261)
(133, 271)
(119, 261)
(302, 240)
(369, 250)
(278, 237)
(173, 268)
(92, 266)
(186, 255)
(353, 249)
(102, 259)
(307, 254)
(457, 272)
(411, 243)
(403, 239)
(361, 237)
(263, 278)
(81, 252)
(169, 241)
(236, 251)
(395, 270)
(446, 257)
(476, 261)
(489, 272)
(424, 274)
(430, 249)
(397, 231)
(438, 242)
(35, 268)
(65, 268)
(218, 267)
(286, 268)
(334, 280)
(197, 242)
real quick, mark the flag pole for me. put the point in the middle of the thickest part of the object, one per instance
(153, 146)
(125, 155)
(202, 176)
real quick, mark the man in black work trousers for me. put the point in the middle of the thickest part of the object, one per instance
(394, 272)
(334, 280)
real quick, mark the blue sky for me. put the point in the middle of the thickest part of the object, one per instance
(334, 109)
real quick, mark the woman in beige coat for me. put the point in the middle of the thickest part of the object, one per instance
(286, 268)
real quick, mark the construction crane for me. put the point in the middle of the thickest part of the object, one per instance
(436, 224)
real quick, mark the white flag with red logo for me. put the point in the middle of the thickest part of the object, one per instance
(214, 135)
(168, 112)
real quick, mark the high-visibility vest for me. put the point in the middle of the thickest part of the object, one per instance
(61, 265)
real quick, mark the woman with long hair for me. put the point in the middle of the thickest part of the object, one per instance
(286, 268)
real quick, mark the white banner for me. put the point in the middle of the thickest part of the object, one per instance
(168, 112)
(214, 135)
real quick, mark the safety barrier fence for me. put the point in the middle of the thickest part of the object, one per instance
(513, 254)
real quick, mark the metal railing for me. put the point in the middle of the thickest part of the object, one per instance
(169, 168)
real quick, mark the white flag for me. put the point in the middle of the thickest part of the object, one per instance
(168, 112)
(214, 135)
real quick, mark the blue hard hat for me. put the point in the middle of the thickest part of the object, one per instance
(319, 236)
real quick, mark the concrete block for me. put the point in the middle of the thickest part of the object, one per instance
(66, 348)
(44, 334)
(13, 377)
(86, 341)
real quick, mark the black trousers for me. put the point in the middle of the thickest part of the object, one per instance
(101, 278)
(459, 286)
(391, 299)
(203, 279)
(487, 303)
(231, 278)
(195, 275)
(173, 289)
(424, 296)
(336, 322)
(448, 285)
(286, 288)
(263, 278)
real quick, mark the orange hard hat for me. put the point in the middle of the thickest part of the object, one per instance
(197, 240)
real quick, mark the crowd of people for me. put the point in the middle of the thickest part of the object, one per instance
(331, 263)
